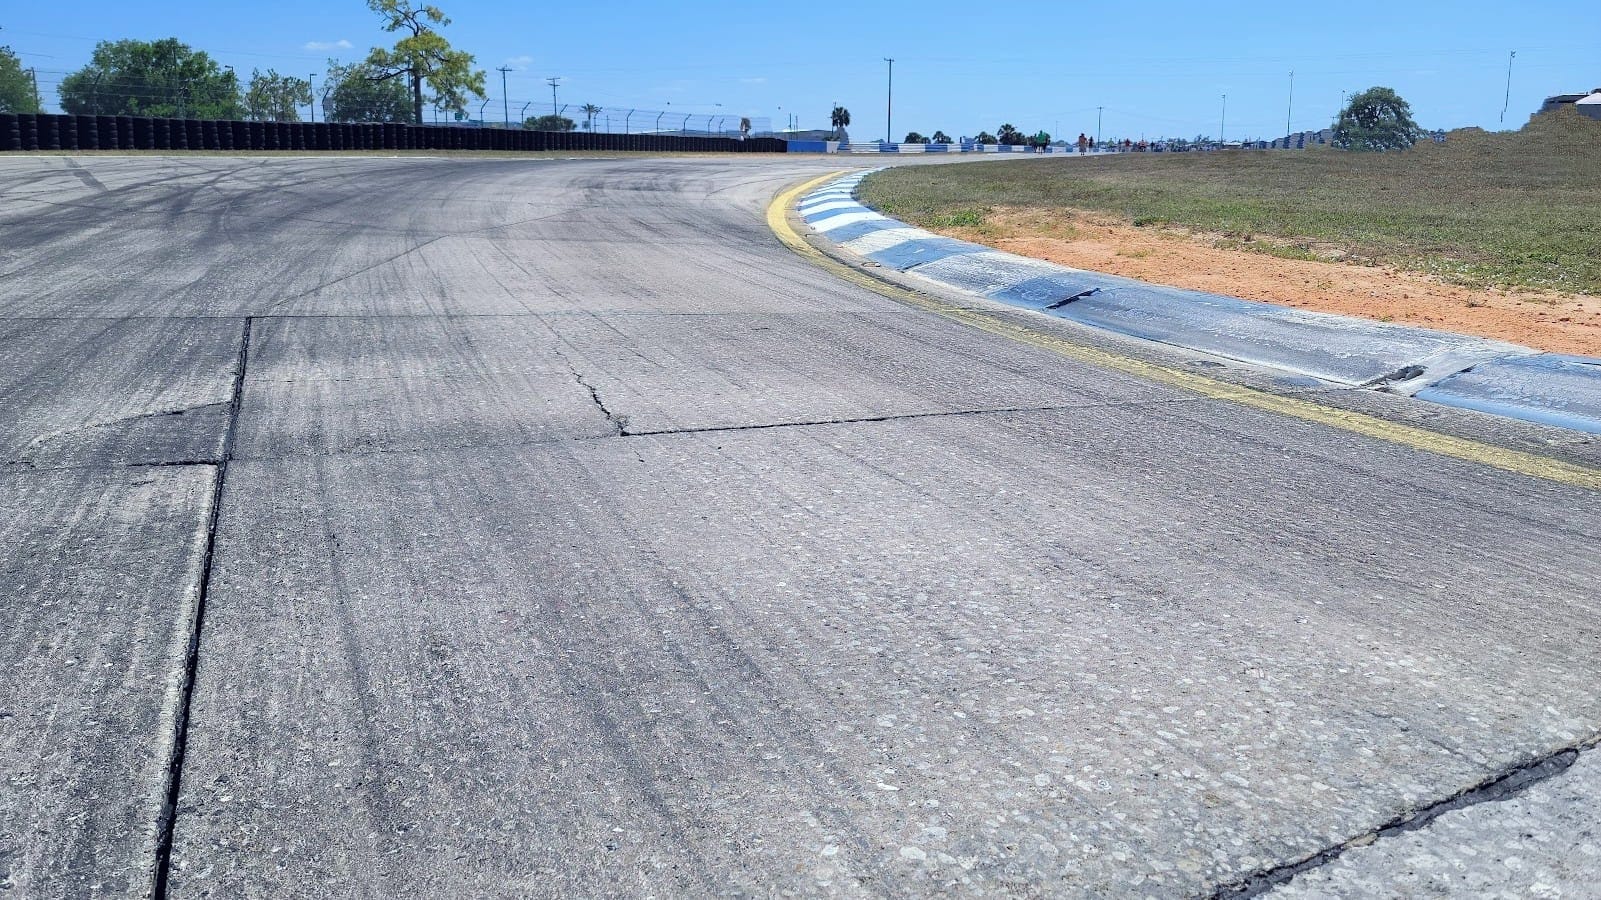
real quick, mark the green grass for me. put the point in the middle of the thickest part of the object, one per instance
(1515, 209)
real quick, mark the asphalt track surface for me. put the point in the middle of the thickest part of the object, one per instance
(551, 529)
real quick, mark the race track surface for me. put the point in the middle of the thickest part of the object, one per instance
(553, 530)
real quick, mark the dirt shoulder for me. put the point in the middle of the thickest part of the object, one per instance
(1561, 323)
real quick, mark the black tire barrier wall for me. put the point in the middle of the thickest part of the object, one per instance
(28, 131)
(49, 133)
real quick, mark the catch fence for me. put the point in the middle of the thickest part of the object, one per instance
(591, 119)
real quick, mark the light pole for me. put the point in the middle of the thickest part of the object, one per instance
(505, 102)
(1222, 119)
(659, 121)
(1508, 101)
(553, 81)
(523, 115)
(310, 80)
(481, 107)
(1098, 111)
(1289, 113)
(889, 104)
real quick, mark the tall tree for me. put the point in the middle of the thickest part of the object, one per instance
(840, 118)
(549, 122)
(590, 112)
(1010, 135)
(16, 85)
(985, 137)
(940, 137)
(276, 98)
(358, 93)
(1376, 119)
(424, 57)
(151, 78)
(913, 137)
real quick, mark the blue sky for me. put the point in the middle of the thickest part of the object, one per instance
(1158, 67)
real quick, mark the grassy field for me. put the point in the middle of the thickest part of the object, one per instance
(1517, 210)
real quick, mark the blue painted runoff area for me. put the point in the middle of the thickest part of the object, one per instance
(910, 254)
(1551, 388)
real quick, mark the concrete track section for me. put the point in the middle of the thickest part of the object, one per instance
(548, 528)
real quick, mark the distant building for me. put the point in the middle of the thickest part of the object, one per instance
(1587, 104)
(810, 134)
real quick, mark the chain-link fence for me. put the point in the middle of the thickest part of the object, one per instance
(222, 97)
(596, 119)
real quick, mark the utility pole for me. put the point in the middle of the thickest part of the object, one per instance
(1508, 101)
(553, 81)
(34, 74)
(505, 102)
(889, 105)
(1098, 111)
(1223, 119)
(310, 80)
(1289, 114)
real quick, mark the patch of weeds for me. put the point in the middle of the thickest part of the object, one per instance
(961, 218)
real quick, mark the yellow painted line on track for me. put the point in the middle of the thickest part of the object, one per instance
(1518, 461)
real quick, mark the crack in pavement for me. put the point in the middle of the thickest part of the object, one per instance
(1501, 786)
(620, 423)
(897, 417)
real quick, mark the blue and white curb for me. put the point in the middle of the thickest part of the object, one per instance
(1450, 369)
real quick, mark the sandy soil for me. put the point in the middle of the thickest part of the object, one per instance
(1562, 323)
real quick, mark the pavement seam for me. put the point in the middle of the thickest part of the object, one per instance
(20, 469)
(1504, 785)
(167, 818)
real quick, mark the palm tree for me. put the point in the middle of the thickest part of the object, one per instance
(840, 119)
(590, 112)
